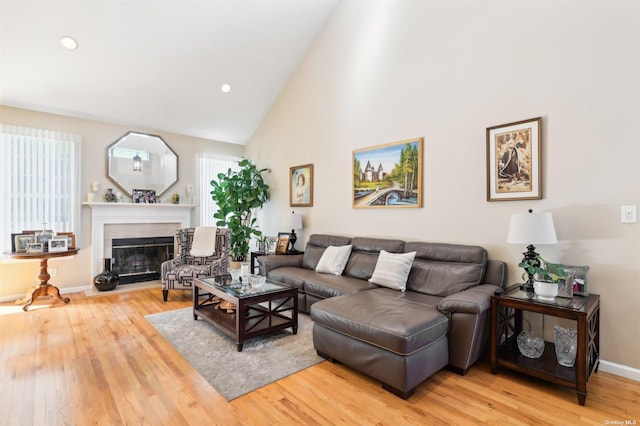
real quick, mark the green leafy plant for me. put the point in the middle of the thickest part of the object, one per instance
(543, 270)
(238, 194)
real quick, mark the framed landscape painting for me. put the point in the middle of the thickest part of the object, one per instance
(514, 161)
(388, 175)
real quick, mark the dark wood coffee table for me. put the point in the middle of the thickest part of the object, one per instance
(258, 311)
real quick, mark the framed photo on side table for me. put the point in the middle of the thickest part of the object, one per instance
(21, 241)
(514, 161)
(35, 248)
(71, 238)
(58, 245)
(283, 243)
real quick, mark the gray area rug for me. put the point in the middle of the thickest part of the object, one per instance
(214, 355)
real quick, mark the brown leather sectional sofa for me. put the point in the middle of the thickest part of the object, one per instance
(398, 337)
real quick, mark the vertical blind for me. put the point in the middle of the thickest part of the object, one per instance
(40, 181)
(210, 165)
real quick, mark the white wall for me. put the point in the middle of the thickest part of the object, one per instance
(445, 71)
(75, 272)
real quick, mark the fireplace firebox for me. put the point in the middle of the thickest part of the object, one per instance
(139, 259)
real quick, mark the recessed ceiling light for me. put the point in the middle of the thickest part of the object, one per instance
(226, 88)
(68, 43)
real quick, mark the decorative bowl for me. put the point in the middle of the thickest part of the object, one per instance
(257, 280)
(530, 345)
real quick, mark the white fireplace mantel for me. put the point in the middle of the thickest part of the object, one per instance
(103, 214)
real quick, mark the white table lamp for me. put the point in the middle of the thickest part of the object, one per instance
(531, 228)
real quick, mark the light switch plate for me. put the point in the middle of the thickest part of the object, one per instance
(628, 214)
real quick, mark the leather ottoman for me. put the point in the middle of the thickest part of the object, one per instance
(395, 337)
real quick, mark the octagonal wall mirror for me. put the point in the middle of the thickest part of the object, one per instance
(142, 161)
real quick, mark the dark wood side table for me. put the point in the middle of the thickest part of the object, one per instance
(254, 257)
(256, 254)
(44, 288)
(506, 324)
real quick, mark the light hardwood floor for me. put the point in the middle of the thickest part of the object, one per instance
(98, 361)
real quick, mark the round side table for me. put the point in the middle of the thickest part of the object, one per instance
(44, 288)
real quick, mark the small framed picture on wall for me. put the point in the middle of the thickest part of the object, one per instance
(301, 186)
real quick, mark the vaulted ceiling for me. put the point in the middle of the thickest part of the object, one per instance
(151, 64)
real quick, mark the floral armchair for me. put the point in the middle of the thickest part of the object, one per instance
(180, 272)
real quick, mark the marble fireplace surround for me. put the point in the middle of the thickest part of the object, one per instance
(130, 220)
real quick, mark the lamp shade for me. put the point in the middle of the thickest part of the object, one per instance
(295, 221)
(532, 228)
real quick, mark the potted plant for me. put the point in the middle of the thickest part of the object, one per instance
(264, 243)
(546, 276)
(237, 194)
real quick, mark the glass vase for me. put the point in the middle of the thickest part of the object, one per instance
(566, 342)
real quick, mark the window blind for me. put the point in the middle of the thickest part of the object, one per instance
(210, 165)
(40, 181)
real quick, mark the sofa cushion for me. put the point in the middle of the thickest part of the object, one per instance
(444, 269)
(383, 317)
(392, 269)
(291, 275)
(325, 285)
(364, 255)
(333, 260)
(317, 244)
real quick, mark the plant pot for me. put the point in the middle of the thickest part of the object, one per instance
(545, 290)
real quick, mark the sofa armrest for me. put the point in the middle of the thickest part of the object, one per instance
(473, 300)
(270, 262)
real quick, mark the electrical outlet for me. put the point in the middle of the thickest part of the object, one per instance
(628, 214)
(53, 272)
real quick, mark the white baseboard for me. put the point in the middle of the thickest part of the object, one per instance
(14, 297)
(620, 370)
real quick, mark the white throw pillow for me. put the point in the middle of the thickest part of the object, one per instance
(333, 260)
(392, 269)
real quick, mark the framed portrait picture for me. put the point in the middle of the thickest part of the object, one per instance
(514, 161)
(301, 186)
(21, 242)
(144, 196)
(283, 243)
(388, 175)
(57, 244)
